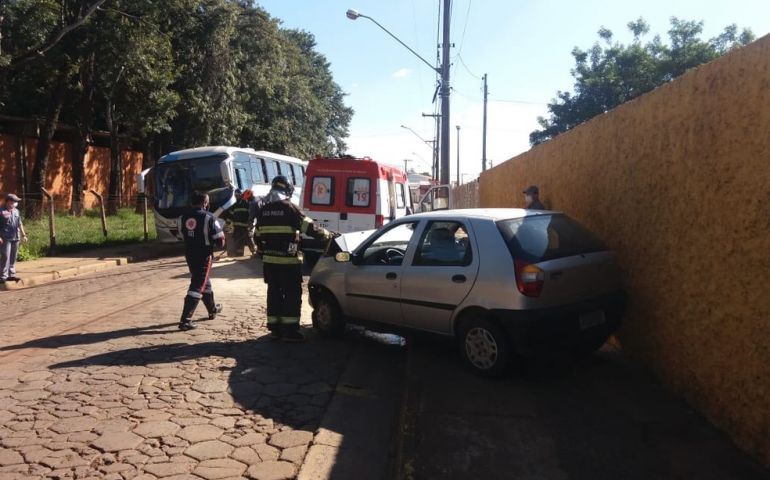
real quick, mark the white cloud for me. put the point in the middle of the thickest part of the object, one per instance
(401, 73)
(354, 85)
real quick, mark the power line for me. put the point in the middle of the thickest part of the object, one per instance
(503, 100)
(462, 39)
(462, 62)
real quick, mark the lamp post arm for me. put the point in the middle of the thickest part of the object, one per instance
(437, 70)
(427, 142)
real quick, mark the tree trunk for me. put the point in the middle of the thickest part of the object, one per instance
(116, 170)
(84, 124)
(40, 167)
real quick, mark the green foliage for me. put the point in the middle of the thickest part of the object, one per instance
(83, 233)
(611, 73)
(189, 72)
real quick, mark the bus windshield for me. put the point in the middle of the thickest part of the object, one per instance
(176, 181)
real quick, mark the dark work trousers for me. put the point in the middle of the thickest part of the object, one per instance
(200, 285)
(284, 296)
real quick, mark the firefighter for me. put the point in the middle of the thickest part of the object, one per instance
(279, 226)
(201, 233)
(238, 216)
(244, 222)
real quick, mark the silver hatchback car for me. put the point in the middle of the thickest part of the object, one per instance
(501, 281)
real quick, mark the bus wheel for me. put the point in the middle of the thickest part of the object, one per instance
(327, 315)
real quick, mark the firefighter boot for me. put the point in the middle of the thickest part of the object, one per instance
(190, 303)
(212, 307)
(291, 334)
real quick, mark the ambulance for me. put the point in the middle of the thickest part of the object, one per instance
(347, 194)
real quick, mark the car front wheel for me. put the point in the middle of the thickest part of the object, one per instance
(327, 315)
(484, 346)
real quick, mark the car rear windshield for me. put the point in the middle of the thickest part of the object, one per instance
(539, 238)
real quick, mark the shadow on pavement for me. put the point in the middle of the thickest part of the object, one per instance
(71, 339)
(558, 418)
(288, 383)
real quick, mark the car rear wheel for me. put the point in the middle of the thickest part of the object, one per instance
(484, 346)
(327, 315)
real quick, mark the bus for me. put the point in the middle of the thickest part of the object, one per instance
(218, 171)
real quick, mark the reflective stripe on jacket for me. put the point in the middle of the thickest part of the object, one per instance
(279, 227)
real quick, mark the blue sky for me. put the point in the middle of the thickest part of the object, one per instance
(523, 45)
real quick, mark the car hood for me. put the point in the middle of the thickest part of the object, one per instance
(350, 241)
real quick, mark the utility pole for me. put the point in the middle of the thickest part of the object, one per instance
(444, 92)
(458, 155)
(435, 144)
(484, 134)
(406, 169)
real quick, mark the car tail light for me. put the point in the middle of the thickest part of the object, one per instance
(379, 221)
(529, 278)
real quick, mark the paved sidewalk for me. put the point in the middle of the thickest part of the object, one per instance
(50, 269)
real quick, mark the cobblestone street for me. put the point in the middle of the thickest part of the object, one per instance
(96, 381)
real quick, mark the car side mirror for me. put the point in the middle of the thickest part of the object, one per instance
(356, 258)
(342, 257)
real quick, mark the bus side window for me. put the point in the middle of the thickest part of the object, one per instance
(286, 172)
(242, 178)
(272, 169)
(299, 177)
(257, 170)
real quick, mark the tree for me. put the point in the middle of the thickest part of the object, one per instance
(40, 86)
(165, 75)
(611, 73)
(54, 36)
(134, 74)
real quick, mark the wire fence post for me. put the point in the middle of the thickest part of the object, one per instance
(101, 208)
(144, 218)
(51, 221)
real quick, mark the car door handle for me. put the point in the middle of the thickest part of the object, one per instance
(391, 276)
(459, 279)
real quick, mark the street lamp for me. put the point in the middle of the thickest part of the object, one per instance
(443, 72)
(427, 142)
(355, 15)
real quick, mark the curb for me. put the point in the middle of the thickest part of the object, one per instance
(53, 276)
(355, 437)
(97, 265)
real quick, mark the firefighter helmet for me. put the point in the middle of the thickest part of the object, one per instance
(283, 185)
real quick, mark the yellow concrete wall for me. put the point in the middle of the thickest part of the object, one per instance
(678, 182)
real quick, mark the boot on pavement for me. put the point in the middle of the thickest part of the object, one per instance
(211, 306)
(186, 324)
(293, 336)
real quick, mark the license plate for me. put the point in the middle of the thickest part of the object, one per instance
(591, 319)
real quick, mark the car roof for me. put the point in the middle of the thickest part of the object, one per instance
(493, 214)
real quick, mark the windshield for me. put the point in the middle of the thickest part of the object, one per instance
(175, 182)
(546, 237)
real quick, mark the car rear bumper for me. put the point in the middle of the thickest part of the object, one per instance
(560, 326)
